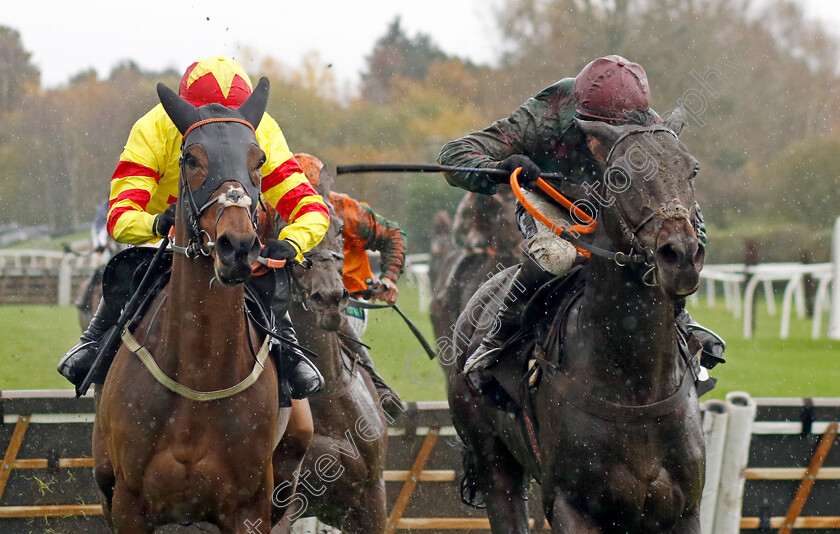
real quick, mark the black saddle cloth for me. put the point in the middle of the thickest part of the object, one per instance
(542, 320)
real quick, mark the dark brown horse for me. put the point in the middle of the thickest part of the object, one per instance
(614, 436)
(342, 476)
(482, 241)
(187, 434)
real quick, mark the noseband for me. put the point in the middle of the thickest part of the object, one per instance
(666, 211)
(197, 202)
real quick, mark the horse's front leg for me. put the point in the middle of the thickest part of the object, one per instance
(253, 517)
(288, 456)
(371, 518)
(503, 480)
(688, 523)
(129, 512)
(564, 518)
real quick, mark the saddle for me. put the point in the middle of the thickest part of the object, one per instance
(546, 311)
(120, 280)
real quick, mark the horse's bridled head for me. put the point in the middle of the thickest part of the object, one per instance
(647, 196)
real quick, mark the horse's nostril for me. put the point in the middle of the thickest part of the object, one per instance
(223, 245)
(669, 254)
(700, 255)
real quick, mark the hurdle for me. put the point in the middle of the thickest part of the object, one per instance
(771, 464)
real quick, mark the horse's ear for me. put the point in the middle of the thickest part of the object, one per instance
(676, 120)
(325, 182)
(182, 113)
(600, 137)
(252, 109)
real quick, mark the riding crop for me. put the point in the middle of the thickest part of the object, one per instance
(367, 293)
(422, 167)
(130, 309)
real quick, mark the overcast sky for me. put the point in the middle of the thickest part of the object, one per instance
(66, 37)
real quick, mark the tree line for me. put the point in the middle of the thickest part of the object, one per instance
(759, 80)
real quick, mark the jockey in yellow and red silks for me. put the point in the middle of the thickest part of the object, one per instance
(144, 188)
(145, 181)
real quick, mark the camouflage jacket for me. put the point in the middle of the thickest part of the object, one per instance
(543, 129)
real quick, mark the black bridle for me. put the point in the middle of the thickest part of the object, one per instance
(198, 201)
(639, 254)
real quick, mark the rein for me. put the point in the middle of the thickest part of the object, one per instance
(585, 248)
(639, 254)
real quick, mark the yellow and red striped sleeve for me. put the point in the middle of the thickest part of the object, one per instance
(135, 181)
(285, 187)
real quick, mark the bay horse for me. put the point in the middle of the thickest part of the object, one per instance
(187, 434)
(482, 240)
(342, 473)
(610, 427)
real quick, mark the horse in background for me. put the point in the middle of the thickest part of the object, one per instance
(483, 240)
(343, 469)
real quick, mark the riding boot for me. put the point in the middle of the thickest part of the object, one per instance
(302, 377)
(527, 280)
(76, 362)
(699, 339)
(713, 345)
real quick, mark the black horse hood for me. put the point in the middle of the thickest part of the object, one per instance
(221, 131)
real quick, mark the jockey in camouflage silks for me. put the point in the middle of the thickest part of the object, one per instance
(541, 136)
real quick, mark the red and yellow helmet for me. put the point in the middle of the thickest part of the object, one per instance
(215, 80)
(610, 87)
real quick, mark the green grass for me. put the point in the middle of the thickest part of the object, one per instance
(46, 242)
(33, 337)
(767, 366)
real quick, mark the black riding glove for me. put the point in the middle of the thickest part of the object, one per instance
(279, 249)
(164, 221)
(529, 174)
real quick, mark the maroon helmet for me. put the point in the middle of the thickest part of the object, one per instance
(611, 87)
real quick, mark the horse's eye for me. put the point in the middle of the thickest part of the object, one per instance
(696, 169)
(191, 161)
